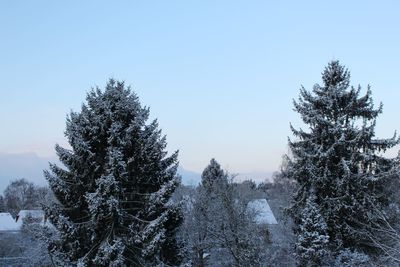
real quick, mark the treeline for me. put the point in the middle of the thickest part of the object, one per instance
(21, 194)
(119, 202)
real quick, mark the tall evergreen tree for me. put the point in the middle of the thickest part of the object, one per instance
(114, 192)
(339, 158)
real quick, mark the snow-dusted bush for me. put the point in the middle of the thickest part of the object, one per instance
(348, 258)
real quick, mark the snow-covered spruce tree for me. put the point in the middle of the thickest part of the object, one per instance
(113, 194)
(338, 159)
(312, 240)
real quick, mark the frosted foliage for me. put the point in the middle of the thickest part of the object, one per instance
(162, 196)
(213, 176)
(338, 158)
(103, 202)
(348, 258)
(115, 186)
(312, 239)
(110, 254)
(218, 229)
(153, 245)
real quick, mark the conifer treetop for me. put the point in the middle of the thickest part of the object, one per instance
(213, 176)
(335, 75)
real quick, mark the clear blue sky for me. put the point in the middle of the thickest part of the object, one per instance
(219, 75)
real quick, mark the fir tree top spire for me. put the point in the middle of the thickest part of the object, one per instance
(213, 175)
(335, 75)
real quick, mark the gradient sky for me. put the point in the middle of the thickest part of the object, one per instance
(219, 75)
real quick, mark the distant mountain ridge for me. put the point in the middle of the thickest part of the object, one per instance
(189, 177)
(30, 166)
(194, 178)
(257, 177)
(22, 165)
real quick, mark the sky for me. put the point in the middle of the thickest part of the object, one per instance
(220, 76)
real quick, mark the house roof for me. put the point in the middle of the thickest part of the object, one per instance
(7, 222)
(262, 210)
(22, 214)
(37, 215)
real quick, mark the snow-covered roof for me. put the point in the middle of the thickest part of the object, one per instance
(7, 222)
(263, 213)
(37, 216)
(22, 214)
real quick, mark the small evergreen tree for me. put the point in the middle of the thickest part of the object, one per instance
(113, 195)
(311, 245)
(338, 158)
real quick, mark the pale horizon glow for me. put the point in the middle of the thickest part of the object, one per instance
(220, 76)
